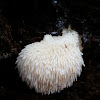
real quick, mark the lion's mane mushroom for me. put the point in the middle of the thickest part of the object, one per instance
(52, 64)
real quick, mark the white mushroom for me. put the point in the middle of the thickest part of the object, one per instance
(52, 64)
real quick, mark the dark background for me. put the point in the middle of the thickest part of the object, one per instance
(23, 22)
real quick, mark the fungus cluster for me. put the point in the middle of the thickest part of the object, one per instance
(52, 64)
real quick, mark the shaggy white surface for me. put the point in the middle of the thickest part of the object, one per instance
(53, 63)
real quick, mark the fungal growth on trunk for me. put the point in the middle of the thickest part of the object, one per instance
(52, 64)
